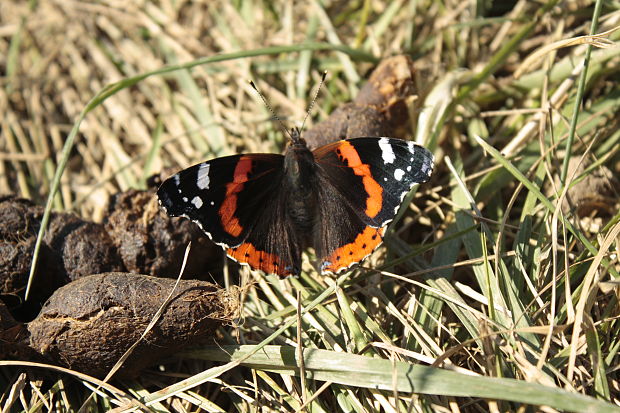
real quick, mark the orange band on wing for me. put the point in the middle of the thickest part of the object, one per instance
(374, 202)
(360, 248)
(230, 223)
(259, 260)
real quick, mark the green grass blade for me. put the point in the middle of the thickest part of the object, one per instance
(374, 373)
(533, 188)
(578, 99)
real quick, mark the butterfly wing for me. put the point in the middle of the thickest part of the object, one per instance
(369, 177)
(237, 202)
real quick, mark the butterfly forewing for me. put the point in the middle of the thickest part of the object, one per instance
(374, 174)
(232, 199)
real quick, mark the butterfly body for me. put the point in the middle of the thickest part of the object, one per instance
(300, 182)
(266, 209)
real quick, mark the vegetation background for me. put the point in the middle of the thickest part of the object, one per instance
(509, 292)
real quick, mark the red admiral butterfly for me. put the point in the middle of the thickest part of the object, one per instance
(265, 209)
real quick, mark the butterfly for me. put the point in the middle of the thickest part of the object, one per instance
(264, 209)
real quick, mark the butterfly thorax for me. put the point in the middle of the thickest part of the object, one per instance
(300, 179)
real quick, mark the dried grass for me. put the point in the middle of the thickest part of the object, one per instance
(493, 292)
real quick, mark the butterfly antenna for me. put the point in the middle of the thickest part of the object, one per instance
(273, 113)
(316, 94)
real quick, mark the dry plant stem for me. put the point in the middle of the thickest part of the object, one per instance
(155, 318)
(585, 302)
(554, 244)
(541, 133)
(149, 327)
(597, 40)
(118, 393)
(527, 131)
(395, 384)
(300, 353)
(316, 394)
(16, 390)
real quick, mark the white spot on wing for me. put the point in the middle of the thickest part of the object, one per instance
(185, 199)
(197, 202)
(398, 174)
(387, 152)
(203, 176)
(177, 179)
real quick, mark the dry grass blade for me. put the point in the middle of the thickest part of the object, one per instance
(588, 295)
(597, 40)
(121, 396)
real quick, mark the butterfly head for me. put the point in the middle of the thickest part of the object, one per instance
(296, 139)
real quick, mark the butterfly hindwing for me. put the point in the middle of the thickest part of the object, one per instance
(341, 237)
(272, 244)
